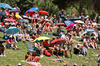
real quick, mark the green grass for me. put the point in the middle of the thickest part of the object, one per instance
(14, 57)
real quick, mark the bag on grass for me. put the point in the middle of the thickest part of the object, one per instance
(47, 53)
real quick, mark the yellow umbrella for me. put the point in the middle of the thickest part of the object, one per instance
(78, 21)
(42, 38)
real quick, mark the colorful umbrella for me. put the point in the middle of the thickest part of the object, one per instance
(12, 30)
(11, 20)
(23, 20)
(78, 21)
(42, 38)
(68, 22)
(69, 26)
(60, 40)
(89, 30)
(32, 9)
(30, 12)
(43, 12)
(4, 5)
(15, 10)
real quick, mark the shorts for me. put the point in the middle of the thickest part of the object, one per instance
(8, 46)
(47, 25)
(69, 47)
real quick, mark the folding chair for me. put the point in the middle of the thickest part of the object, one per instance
(30, 48)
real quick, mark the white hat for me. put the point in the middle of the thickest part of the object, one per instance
(19, 64)
(5, 19)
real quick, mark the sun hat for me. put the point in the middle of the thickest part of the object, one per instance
(37, 40)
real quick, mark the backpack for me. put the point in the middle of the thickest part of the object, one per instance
(47, 53)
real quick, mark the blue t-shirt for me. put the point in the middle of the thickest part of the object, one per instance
(62, 15)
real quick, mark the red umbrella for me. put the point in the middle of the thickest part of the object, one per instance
(30, 12)
(71, 25)
(11, 20)
(60, 40)
(43, 12)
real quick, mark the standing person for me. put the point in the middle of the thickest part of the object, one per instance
(16, 7)
(2, 49)
(61, 16)
(69, 45)
(3, 14)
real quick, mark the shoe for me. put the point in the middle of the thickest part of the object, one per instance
(41, 56)
(1, 55)
(66, 57)
(18, 49)
(70, 58)
(4, 55)
(23, 41)
(13, 48)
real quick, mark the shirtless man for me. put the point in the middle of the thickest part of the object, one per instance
(57, 47)
(69, 45)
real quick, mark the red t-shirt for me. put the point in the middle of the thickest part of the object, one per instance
(45, 43)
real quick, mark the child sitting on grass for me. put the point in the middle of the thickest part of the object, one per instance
(30, 58)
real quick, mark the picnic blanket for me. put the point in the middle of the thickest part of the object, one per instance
(56, 60)
(32, 63)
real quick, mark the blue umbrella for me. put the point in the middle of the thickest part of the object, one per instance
(15, 10)
(68, 22)
(32, 9)
(4, 5)
(89, 30)
(12, 30)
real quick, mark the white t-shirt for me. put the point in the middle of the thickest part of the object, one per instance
(34, 15)
(94, 23)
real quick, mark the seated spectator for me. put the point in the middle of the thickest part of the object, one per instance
(98, 58)
(93, 43)
(27, 55)
(83, 50)
(2, 49)
(5, 36)
(38, 47)
(11, 44)
(77, 49)
(33, 58)
(46, 44)
(57, 47)
(86, 41)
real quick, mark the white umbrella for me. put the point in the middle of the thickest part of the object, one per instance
(78, 21)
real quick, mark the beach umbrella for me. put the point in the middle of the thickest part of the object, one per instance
(60, 40)
(30, 12)
(89, 30)
(23, 20)
(4, 5)
(43, 12)
(68, 22)
(11, 20)
(15, 10)
(70, 26)
(12, 30)
(78, 21)
(42, 38)
(32, 9)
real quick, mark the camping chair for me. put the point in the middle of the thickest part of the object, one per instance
(30, 48)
